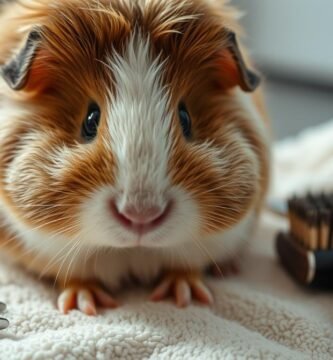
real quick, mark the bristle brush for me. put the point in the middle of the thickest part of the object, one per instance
(306, 251)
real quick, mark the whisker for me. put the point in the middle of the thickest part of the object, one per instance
(70, 269)
(28, 206)
(76, 241)
(205, 250)
(54, 258)
(42, 220)
(74, 255)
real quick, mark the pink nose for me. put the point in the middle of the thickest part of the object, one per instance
(143, 216)
(140, 220)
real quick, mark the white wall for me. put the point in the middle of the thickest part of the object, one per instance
(292, 35)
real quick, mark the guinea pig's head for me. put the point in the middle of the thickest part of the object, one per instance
(126, 123)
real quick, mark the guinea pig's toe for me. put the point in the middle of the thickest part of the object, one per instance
(201, 292)
(86, 302)
(84, 297)
(162, 290)
(182, 293)
(183, 288)
(67, 300)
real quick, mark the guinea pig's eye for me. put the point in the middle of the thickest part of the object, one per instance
(91, 122)
(185, 120)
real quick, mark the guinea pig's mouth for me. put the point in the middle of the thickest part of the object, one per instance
(141, 225)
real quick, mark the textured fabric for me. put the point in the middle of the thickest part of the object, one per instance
(305, 162)
(260, 314)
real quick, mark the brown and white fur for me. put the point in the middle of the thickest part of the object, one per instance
(137, 59)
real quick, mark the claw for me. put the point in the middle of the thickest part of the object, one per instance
(162, 290)
(183, 287)
(85, 302)
(202, 293)
(104, 299)
(84, 297)
(66, 300)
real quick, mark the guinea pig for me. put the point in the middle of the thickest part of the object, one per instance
(134, 144)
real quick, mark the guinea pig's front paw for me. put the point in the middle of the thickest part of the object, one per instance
(183, 287)
(84, 297)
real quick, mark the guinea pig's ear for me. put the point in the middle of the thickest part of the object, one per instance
(233, 69)
(16, 71)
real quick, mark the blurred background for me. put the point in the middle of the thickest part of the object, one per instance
(291, 42)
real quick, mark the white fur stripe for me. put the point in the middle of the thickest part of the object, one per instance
(139, 122)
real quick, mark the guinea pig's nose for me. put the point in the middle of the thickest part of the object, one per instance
(140, 219)
(142, 216)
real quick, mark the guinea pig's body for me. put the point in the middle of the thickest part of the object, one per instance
(130, 145)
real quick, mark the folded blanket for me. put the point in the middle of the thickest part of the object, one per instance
(304, 162)
(259, 314)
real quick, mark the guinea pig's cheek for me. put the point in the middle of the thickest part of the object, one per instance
(96, 225)
(185, 221)
(220, 183)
